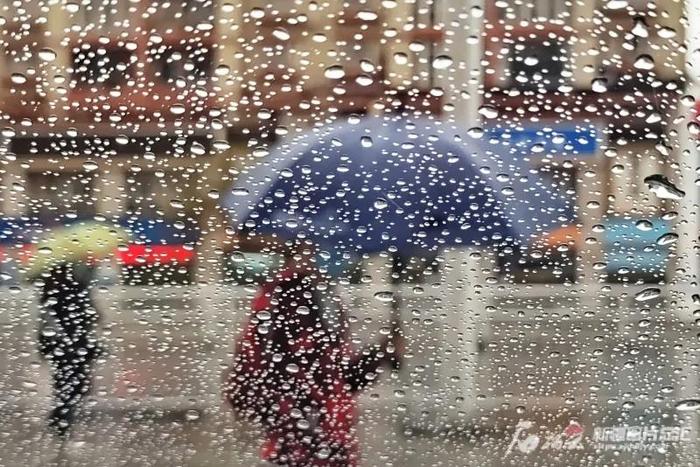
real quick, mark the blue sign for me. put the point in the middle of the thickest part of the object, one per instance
(555, 140)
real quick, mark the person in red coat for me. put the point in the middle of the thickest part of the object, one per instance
(294, 371)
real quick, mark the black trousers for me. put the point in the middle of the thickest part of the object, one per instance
(72, 380)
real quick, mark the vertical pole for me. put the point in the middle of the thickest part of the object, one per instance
(462, 81)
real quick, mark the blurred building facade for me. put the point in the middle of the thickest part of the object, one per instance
(554, 69)
(147, 110)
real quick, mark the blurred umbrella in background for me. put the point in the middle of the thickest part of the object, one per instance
(75, 243)
(378, 184)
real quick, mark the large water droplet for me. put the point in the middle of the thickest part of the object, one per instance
(240, 191)
(384, 296)
(644, 225)
(488, 111)
(364, 80)
(72, 7)
(667, 239)
(198, 149)
(177, 109)
(400, 58)
(334, 72)
(640, 28)
(663, 188)
(264, 114)
(644, 62)
(380, 203)
(18, 78)
(47, 55)
(177, 204)
(442, 62)
(599, 85)
(281, 34)
(366, 15)
(616, 4)
(667, 33)
(90, 166)
(257, 13)
(192, 415)
(647, 294)
(531, 61)
(688, 405)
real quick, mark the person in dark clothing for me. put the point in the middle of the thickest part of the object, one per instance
(67, 338)
(294, 371)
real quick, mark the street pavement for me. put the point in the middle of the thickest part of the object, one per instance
(621, 372)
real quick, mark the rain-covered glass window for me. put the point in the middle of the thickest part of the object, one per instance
(349, 233)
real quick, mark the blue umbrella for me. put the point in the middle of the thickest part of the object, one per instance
(374, 184)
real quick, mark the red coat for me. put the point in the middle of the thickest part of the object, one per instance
(294, 373)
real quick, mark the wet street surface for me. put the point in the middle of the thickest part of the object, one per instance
(559, 377)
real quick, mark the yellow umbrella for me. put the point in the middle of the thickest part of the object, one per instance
(76, 243)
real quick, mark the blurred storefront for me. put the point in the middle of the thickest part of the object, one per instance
(618, 68)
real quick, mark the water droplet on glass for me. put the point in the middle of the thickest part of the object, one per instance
(18, 78)
(366, 15)
(90, 166)
(364, 80)
(616, 4)
(198, 149)
(667, 239)
(72, 7)
(688, 405)
(380, 203)
(366, 141)
(416, 46)
(47, 55)
(239, 191)
(176, 203)
(644, 225)
(531, 61)
(400, 58)
(384, 296)
(367, 66)
(488, 111)
(334, 72)
(647, 294)
(442, 62)
(599, 85)
(644, 62)
(663, 188)
(257, 13)
(640, 28)
(281, 34)
(667, 33)
(192, 415)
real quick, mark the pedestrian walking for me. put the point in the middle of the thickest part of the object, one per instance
(62, 266)
(294, 371)
(67, 338)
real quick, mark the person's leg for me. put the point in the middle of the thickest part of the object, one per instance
(72, 379)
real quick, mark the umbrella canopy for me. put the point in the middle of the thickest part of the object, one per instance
(75, 243)
(378, 183)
